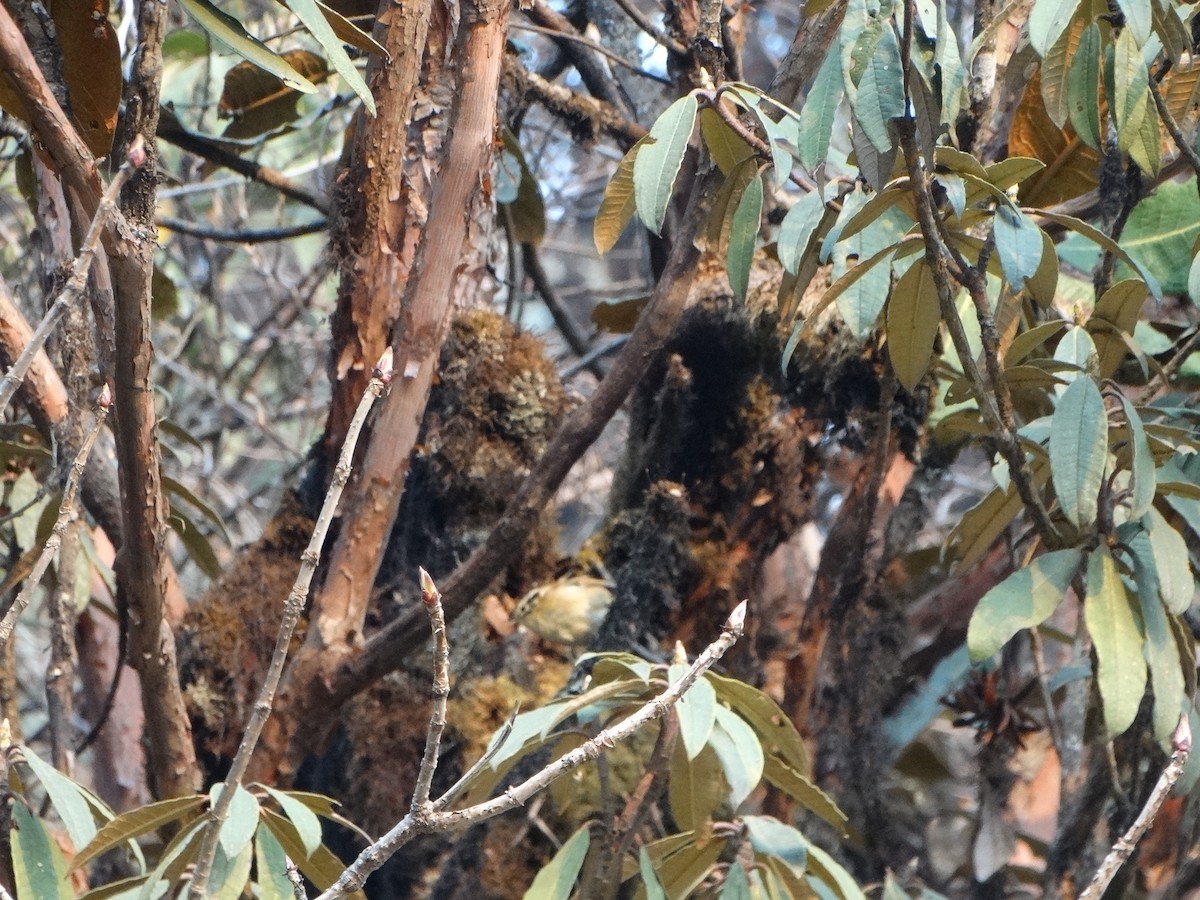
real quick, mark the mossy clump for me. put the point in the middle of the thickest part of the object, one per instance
(226, 637)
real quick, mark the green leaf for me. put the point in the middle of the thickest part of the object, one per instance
(797, 230)
(1138, 19)
(1142, 463)
(271, 868)
(67, 797)
(1175, 583)
(1025, 599)
(618, 205)
(1117, 637)
(557, 880)
(1055, 71)
(820, 108)
(657, 163)
(1193, 279)
(1047, 21)
(135, 823)
(1166, 668)
(180, 852)
(654, 890)
(1078, 451)
(682, 872)
(307, 825)
(778, 140)
(1027, 342)
(881, 91)
(230, 875)
(737, 885)
(310, 14)
(197, 545)
(322, 868)
(38, 866)
(832, 873)
(770, 837)
(238, 829)
(743, 232)
(697, 710)
(948, 60)
(913, 318)
(740, 753)
(875, 167)
(229, 31)
(1019, 244)
(774, 729)
(1083, 87)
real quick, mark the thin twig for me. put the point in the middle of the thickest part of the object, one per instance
(240, 236)
(292, 611)
(1181, 745)
(297, 880)
(591, 45)
(427, 822)
(432, 601)
(1163, 376)
(457, 788)
(594, 75)
(171, 130)
(66, 512)
(758, 144)
(77, 280)
(1173, 129)
(660, 37)
(588, 360)
(532, 263)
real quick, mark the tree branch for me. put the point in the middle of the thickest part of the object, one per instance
(595, 78)
(1181, 743)
(293, 608)
(240, 236)
(77, 280)
(66, 513)
(999, 417)
(171, 130)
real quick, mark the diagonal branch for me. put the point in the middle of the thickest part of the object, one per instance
(293, 608)
(995, 405)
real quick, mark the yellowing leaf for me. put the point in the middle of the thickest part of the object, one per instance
(1071, 166)
(724, 144)
(617, 207)
(913, 317)
(1117, 638)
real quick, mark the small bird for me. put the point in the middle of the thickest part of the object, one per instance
(567, 611)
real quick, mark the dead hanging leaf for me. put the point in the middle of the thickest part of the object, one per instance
(527, 208)
(91, 64)
(259, 102)
(1071, 165)
(619, 316)
(91, 69)
(1181, 91)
